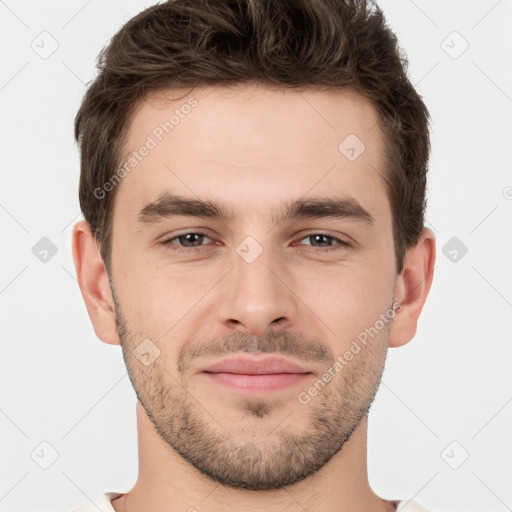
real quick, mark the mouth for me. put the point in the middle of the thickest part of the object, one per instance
(243, 374)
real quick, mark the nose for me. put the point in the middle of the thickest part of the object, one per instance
(255, 297)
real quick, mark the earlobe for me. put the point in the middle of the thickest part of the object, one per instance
(94, 285)
(412, 288)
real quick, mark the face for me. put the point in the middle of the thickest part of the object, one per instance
(255, 225)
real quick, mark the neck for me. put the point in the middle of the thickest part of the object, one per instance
(168, 483)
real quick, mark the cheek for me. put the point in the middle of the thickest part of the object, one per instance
(159, 297)
(347, 299)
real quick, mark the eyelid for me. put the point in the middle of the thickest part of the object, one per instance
(198, 231)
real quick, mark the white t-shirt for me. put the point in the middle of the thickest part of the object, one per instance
(103, 504)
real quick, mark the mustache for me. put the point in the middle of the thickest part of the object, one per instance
(274, 342)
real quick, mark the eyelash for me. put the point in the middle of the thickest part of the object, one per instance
(169, 243)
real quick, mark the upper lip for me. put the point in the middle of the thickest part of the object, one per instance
(250, 366)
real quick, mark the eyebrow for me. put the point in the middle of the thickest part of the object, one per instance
(170, 205)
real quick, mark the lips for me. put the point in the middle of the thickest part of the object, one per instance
(243, 365)
(242, 374)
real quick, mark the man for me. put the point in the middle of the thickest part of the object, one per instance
(253, 179)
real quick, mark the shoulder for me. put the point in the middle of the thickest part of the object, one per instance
(410, 506)
(103, 502)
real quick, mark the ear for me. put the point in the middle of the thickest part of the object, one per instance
(412, 287)
(94, 285)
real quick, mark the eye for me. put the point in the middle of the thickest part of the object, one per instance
(186, 241)
(322, 242)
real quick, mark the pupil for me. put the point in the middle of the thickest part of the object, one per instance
(319, 237)
(189, 239)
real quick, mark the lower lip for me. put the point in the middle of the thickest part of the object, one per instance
(257, 383)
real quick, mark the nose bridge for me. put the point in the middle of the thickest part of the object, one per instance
(254, 296)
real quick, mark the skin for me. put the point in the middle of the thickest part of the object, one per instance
(202, 446)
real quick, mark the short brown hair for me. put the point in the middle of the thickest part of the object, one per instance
(296, 44)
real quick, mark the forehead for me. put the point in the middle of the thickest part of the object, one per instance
(253, 146)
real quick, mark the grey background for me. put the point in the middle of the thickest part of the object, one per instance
(445, 396)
